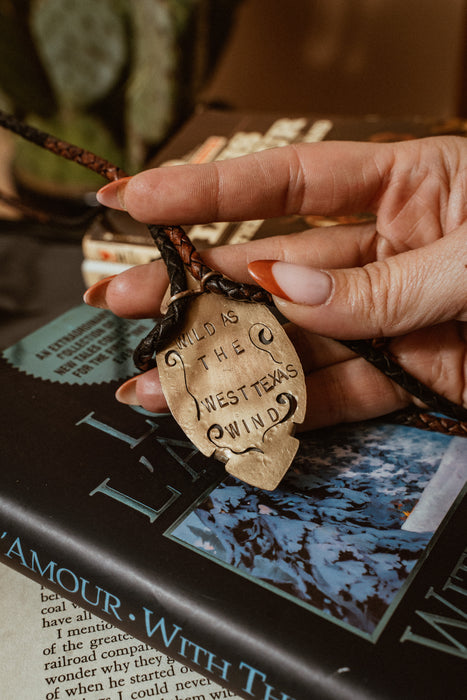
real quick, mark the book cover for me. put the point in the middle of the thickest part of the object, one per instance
(349, 580)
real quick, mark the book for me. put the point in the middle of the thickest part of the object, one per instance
(211, 135)
(93, 271)
(53, 648)
(349, 580)
(114, 238)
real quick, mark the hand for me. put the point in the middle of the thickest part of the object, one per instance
(402, 277)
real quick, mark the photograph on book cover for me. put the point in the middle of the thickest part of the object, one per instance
(347, 529)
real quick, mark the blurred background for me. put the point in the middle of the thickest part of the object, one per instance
(392, 57)
(120, 77)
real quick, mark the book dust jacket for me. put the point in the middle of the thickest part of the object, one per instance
(348, 580)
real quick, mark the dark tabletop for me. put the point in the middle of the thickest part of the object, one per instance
(40, 277)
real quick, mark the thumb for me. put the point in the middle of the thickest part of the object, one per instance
(410, 290)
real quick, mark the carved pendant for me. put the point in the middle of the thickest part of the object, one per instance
(235, 385)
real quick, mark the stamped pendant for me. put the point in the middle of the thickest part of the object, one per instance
(235, 385)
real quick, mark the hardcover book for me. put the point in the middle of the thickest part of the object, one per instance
(349, 580)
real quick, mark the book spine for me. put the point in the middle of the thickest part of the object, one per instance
(94, 271)
(105, 246)
(112, 251)
(152, 612)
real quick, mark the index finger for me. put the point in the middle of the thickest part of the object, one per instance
(323, 178)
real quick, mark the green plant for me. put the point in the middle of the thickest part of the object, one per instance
(117, 76)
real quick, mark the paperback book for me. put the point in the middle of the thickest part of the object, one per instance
(349, 580)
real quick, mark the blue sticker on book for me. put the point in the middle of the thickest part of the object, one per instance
(83, 346)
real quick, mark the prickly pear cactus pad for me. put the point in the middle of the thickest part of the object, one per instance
(152, 85)
(83, 46)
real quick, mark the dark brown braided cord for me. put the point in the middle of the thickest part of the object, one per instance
(427, 421)
(46, 217)
(178, 252)
(372, 351)
(217, 284)
(165, 327)
(61, 148)
(388, 366)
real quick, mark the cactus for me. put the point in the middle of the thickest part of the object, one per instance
(83, 46)
(175, 48)
(151, 88)
(134, 65)
(43, 172)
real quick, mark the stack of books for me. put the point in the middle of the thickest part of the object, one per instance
(114, 241)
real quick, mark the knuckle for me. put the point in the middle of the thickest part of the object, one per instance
(296, 184)
(385, 297)
(215, 190)
(373, 296)
(449, 375)
(463, 386)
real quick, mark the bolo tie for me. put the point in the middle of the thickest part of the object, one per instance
(229, 373)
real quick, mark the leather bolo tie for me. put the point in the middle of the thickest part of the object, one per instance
(230, 375)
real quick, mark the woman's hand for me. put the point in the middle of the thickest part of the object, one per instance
(403, 276)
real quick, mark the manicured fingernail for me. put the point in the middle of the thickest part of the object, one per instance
(126, 393)
(112, 195)
(96, 295)
(296, 283)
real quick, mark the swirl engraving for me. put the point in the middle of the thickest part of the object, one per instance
(261, 336)
(220, 433)
(284, 398)
(171, 361)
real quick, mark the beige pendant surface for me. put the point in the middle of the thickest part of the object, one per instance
(235, 385)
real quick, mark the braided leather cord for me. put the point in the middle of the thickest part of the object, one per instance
(218, 284)
(178, 252)
(61, 148)
(165, 327)
(383, 361)
(427, 421)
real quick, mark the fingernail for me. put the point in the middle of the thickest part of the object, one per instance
(96, 295)
(126, 393)
(295, 283)
(112, 195)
